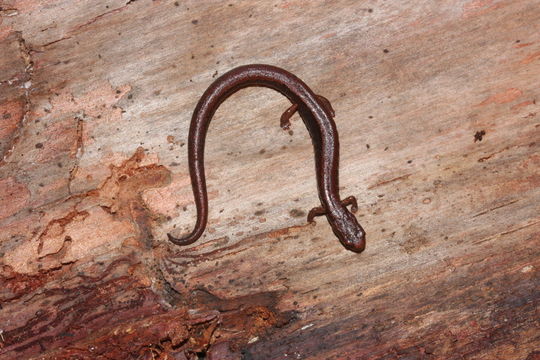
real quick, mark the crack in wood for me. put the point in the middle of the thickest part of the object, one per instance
(385, 182)
(89, 22)
(492, 237)
(495, 208)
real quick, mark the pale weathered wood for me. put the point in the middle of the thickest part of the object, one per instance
(436, 106)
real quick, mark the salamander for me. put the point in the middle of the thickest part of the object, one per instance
(316, 113)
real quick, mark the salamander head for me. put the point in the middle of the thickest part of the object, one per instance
(348, 231)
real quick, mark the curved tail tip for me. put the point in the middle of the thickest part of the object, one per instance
(179, 241)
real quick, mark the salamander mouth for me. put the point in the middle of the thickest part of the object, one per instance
(355, 246)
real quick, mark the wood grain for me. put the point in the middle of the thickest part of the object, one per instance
(436, 107)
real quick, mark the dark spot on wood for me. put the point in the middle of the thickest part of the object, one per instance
(259, 212)
(386, 51)
(414, 240)
(39, 145)
(262, 151)
(297, 213)
(409, 161)
(6, 116)
(479, 135)
(367, 146)
(176, 3)
(195, 22)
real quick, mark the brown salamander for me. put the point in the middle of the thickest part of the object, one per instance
(317, 114)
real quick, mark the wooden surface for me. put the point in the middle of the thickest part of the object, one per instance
(437, 107)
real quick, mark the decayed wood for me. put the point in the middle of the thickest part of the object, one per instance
(436, 106)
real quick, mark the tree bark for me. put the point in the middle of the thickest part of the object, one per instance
(436, 107)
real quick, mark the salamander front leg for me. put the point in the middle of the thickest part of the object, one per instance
(285, 121)
(316, 211)
(320, 211)
(350, 200)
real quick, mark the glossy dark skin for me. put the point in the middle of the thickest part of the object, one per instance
(317, 114)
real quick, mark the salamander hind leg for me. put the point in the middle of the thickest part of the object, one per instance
(316, 211)
(350, 200)
(285, 121)
(326, 104)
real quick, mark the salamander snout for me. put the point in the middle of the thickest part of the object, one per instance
(357, 242)
(350, 233)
